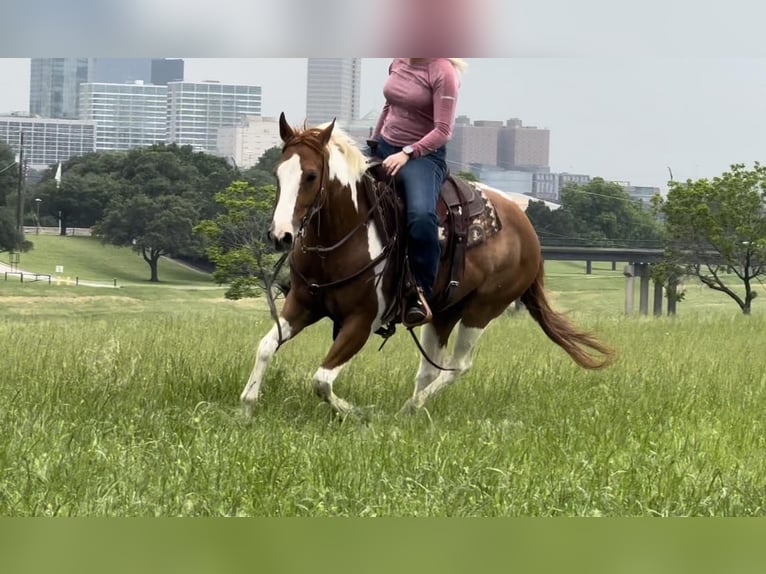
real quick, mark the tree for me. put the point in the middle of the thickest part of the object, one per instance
(602, 212)
(235, 240)
(151, 226)
(8, 172)
(10, 237)
(553, 226)
(717, 230)
(467, 176)
(262, 173)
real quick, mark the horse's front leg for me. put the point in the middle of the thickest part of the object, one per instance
(293, 319)
(350, 337)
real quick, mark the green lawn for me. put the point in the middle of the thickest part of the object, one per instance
(88, 259)
(125, 402)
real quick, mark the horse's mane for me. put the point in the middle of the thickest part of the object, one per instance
(344, 152)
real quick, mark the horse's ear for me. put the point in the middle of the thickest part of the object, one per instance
(324, 137)
(285, 131)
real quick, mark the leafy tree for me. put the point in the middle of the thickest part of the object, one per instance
(10, 237)
(151, 226)
(8, 172)
(717, 230)
(236, 240)
(603, 213)
(553, 226)
(467, 176)
(262, 173)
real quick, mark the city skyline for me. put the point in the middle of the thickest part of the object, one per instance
(623, 119)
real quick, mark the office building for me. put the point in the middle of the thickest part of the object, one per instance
(48, 141)
(523, 147)
(127, 116)
(508, 145)
(197, 109)
(473, 143)
(332, 90)
(167, 70)
(54, 85)
(246, 142)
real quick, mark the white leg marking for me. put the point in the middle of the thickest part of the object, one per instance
(376, 248)
(266, 349)
(465, 342)
(323, 381)
(289, 175)
(427, 372)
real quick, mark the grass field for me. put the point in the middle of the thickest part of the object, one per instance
(125, 402)
(89, 259)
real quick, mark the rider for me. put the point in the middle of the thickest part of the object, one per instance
(411, 134)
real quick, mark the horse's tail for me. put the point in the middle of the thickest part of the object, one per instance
(561, 331)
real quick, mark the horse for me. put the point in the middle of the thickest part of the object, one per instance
(340, 268)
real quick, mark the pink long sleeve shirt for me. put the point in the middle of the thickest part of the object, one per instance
(420, 104)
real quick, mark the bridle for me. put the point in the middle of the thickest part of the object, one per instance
(314, 211)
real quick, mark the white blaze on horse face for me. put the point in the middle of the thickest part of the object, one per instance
(375, 248)
(289, 176)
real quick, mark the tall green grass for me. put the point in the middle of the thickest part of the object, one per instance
(125, 407)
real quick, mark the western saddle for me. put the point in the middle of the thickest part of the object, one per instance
(466, 218)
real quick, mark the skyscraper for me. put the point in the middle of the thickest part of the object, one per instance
(158, 71)
(120, 70)
(127, 116)
(332, 90)
(48, 141)
(197, 109)
(54, 86)
(167, 70)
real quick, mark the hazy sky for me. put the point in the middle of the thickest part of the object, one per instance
(626, 118)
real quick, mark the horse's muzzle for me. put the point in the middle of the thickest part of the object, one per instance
(283, 243)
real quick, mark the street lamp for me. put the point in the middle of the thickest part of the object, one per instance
(37, 213)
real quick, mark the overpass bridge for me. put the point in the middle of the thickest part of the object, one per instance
(638, 263)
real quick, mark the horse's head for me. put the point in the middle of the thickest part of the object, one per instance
(302, 174)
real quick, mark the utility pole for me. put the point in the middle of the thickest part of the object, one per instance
(19, 226)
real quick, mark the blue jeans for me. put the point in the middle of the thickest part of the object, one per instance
(421, 179)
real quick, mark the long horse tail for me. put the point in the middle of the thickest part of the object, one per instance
(559, 330)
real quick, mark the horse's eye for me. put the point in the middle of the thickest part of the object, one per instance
(311, 176)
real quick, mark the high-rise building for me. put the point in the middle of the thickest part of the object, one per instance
(120, 70)
(523, 147)
(55, 82)
(507, 145)
(54, 86)
(332, 90)
(167, 70)
(158, 71)
(246, 142)
(197, 109)
(48, 141)
(473, 143)
(127, 115)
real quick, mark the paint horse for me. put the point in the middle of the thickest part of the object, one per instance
(340, 268)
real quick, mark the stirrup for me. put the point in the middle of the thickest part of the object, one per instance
(421, 314)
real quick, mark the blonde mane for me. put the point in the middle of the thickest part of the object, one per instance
(344, 150)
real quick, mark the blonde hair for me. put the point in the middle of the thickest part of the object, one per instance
(460, 64)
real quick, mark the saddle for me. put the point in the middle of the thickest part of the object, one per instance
(466, 218)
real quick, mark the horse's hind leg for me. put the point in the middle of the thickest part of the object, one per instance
(434, 338)
(461, 362)
(350, 338)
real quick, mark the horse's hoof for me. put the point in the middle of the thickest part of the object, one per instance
(409, 408)
(248, 408)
